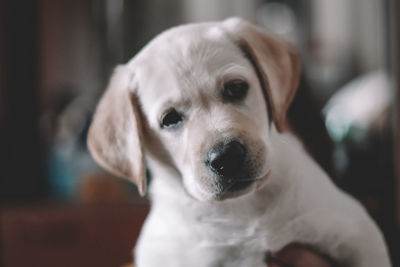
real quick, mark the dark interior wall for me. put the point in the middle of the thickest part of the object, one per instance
(68, 48)
(21, 154)
(2, 68)
(396, 67)
(139, 25)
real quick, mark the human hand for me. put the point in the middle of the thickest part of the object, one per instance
(298, 255)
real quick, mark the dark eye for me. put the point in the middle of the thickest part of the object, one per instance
(171, 118)
(235, 90)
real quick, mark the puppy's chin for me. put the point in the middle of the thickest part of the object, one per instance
(213, 193)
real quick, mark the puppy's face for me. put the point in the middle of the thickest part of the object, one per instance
(203, 102)
(194, 100)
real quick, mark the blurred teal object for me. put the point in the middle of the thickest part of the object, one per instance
(62, 175)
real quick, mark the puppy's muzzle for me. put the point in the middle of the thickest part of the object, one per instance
(227, 160)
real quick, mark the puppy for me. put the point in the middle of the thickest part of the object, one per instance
(204, 107)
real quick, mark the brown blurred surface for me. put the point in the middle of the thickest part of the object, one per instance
(299, 255)
(59, 235)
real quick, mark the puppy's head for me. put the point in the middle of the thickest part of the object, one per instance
(200, 100)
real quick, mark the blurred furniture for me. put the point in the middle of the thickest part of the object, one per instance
(70, 236)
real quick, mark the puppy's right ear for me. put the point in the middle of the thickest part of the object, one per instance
(115, 135)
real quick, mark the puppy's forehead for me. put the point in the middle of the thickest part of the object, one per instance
(185, 51)
(186, 40)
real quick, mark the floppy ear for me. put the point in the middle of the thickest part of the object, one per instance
(115, 135)
(276, 62)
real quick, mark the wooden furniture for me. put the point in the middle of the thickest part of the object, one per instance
(69, 236)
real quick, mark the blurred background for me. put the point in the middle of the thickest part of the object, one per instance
(58, 208)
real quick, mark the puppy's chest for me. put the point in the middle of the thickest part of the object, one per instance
(239, 222)
(207, 241)
(229, 231)
(210, 228)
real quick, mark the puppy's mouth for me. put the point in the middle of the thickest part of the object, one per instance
(236, 187)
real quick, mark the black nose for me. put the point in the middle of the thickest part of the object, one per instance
(227, 159)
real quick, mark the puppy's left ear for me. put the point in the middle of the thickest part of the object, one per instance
(115, 135)
(276, 62)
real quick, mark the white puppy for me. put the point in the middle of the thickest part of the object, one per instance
(204, 106)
